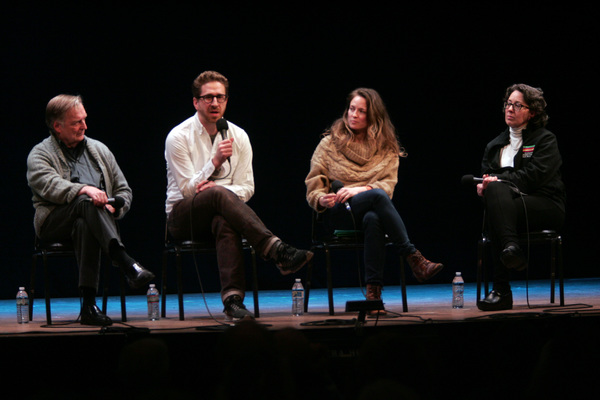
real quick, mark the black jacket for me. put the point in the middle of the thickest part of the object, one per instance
(536, 166)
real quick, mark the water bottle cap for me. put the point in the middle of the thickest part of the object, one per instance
(152, 285)
(458, 274)
(297, 279)
(21, 288)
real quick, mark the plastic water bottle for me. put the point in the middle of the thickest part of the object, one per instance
(153, 303)
(22, 306)
(297, 298)
(458, 289)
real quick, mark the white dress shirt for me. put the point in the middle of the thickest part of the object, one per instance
(189, 152)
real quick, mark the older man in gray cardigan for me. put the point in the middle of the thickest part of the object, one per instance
(79, 192)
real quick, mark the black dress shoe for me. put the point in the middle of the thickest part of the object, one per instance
(512, 257)
(137, 276)
(91, 315)
(496, 301)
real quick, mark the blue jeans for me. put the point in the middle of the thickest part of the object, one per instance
(374, 214)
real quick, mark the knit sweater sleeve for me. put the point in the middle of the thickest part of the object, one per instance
(48, 176)
(317, 181)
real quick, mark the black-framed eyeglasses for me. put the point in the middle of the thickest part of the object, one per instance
(208, 99)
(516, 106)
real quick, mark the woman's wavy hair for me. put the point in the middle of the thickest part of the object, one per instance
(380, 129)
(534, 98)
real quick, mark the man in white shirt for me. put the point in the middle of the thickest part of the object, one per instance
(209, 181)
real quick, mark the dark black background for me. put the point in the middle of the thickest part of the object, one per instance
(442, 71)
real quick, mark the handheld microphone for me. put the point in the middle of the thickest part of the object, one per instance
(117, 202)
(222, 127)
(335, 187)
(471, 180)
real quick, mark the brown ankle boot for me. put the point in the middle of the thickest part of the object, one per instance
(422, 268)
(374, 293)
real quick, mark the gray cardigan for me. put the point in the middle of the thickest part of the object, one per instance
(48, 176)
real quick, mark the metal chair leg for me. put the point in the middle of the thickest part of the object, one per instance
(329, 281)
(179, 285)
(255, 283)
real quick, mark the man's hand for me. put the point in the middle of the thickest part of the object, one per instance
(99, 197)
(224, 151)
(202, 186)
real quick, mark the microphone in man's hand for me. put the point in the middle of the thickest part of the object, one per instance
(471, 180)
(117, 201)
(335, 187)
(223, 127)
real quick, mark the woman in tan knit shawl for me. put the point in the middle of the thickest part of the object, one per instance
(361, 151)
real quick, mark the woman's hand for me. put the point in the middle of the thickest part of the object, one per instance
(328, 200)
(344, 194)
(483, 185)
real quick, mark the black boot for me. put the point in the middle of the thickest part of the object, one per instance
(512, 257)
(90, 313)
(137, 276)
(496, 300)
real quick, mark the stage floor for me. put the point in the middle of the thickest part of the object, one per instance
(426, 304)
(535, 350)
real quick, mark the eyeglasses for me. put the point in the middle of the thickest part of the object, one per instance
(516, 106)
(208, 99)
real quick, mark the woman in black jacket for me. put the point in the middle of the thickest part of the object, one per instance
(522, 187)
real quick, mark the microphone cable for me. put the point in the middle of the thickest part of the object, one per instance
(215, 178)
(335, 186)
(357, 251)
(522, 195)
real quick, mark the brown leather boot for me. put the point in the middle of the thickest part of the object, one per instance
(374, 293)
(422, 268)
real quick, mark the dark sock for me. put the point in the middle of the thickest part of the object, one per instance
(118, 254)
(502, 288)
(273, 250)
(89, 295)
